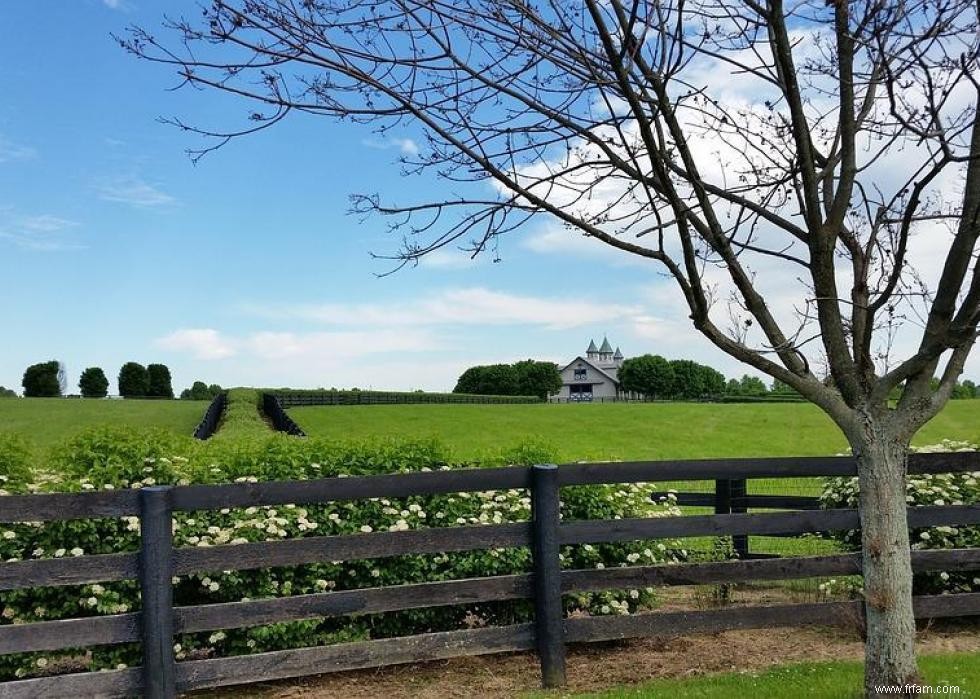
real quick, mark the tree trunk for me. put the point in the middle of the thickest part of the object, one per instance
(890, 624)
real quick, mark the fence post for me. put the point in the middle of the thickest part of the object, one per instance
(741, 541)
(156, 590)
(723, 496)
(725, 491)
(548, 611)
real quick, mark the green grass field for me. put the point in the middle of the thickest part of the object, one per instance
(635, 431)
(836, 680)
(627, 431)
(48, 421)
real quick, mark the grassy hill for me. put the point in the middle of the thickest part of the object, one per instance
(620, 430)
(47, 421)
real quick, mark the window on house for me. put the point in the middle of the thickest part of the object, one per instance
(579, 374)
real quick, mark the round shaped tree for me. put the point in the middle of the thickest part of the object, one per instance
(42, 380)
(93, 383)
(160, 385)
(134, 381)
(648, 374)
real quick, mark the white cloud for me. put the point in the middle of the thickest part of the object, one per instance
(406, 146)
(39, 233)
(559, 240)
(209, 343)
(113, 4)
(339, 345)
(10, 151)
(593, 191)
(135, 192)
(465, 306)
(413, 343)
(443, 258)
(45, 223)
(406, 350)
(201, 343)
(27, 242)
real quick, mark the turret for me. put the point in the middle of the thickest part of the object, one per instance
(593, 351)
(606, 351)
(618, 357)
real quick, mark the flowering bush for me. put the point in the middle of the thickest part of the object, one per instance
(924, 489)
(15, 462)
(108, 459)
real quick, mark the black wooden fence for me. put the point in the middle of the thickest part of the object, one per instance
(280, 419)
(292, 399)
(212, 417)
(158, 561)
(778, 398)
(731, 496)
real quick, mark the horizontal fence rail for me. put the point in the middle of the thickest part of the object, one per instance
(310, 398)
(122, 628)
(158, 561)
(588, 398)
(122, 503)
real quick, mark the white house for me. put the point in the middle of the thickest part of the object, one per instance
(593, 376)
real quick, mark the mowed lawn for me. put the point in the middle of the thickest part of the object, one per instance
(631, 431)
(48, 421)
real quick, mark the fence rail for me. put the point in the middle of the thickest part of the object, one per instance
(291, 400)
(589, 398)
(122, 503)
(157, 561)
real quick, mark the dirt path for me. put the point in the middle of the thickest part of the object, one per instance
(601, 666)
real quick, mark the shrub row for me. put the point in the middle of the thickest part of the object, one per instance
(112, 458)
(925, 489)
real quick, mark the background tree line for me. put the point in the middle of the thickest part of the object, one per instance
(201, 391)
(670, 379)
(683, 379)
(47, 380)
(650, 375)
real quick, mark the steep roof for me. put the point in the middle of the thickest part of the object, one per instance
(592, 347)
(606, 347)
(608, 373)
(618, 355)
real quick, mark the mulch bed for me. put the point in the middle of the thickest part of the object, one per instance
(595, 667)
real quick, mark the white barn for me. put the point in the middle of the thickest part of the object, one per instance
(593, 376)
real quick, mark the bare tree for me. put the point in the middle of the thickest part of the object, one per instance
(807, 173)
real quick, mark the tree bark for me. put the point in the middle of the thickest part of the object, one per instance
(890, 623)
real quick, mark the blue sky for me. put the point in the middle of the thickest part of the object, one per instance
(245, 269)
